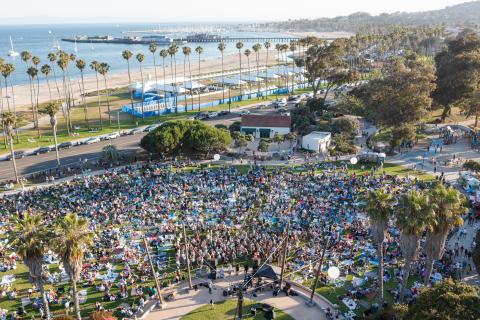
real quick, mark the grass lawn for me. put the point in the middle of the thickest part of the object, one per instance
(226, 310)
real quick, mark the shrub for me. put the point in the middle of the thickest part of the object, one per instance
(102, 315)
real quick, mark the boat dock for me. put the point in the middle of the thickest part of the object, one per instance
(235, 39)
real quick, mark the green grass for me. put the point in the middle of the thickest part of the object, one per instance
(226, 310)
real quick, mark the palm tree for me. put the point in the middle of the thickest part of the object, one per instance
(239, 46)
(199, 51)
(221, 48)
(293, 47)
(127, 55)
(248, 52)
(283, 51)
(110, 153)
(29, 238)
(8, 123)
(52, 57)
(103, 70)
(448, 211)
(413, 213)
(7, 70)
(95, 66)
(45, 70)
(140, 58)
(51, 109)
(186, 54)
(267, 46)
(80, 64)
(379, 211)
(172, 51)
(62, 63)
(26, 56)
(36, 62)
(73, 236)
(164, 55)
(33, 72)
(153, 49)
(256, 48)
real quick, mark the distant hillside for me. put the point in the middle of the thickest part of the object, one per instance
(465, 14)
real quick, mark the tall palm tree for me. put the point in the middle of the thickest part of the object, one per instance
(81, 64)
(172, 51)
(239, 47)
(30, 238)
(52, 109)
(140, 58)
(248, 52)
(153, 50)
(267, 46)
(103, 70)
(199, 51)
(283, 51)
(186, 54)
(256, 48)
(450, 205)
(62, 62)
(95, 66)
(26, 56)
(221, 48)
(8, 123)
(73, 236)
(33, 72)
(379, 211)
(127, 55)
(413, 213)
(36, 61)
(45, 70)
(52, 57)
(293, 47)
(7, 70)
(164, 55)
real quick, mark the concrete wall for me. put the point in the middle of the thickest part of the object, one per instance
(273, 131)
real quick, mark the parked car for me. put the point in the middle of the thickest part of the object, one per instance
(113, 135)
(201, 116)
(65, 145)
(42, 150)
(92, 140)
(223, 113)
(244, 112)
(17, 155)
(136, 130)
(212, 114)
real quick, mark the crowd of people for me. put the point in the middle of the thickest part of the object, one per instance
(231, 219)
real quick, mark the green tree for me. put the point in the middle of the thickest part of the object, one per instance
(447, 300)
(413, 213)
(263, 145)
(186, 56)
(199, 51)
(267, 46)
(33, 72)
(73, 236)
(95, 66)
(140, 58)
(52, 109)
(172, 51)
(103, 69)
(45, 70)
(80, 64)
(379, 210)
(345, 125)
(110, 153)
(247, 53)
(8, 123)
(239, 47)
(449, 207)
(29, 238)
(127, 55)
(221, 47)
(278, 139)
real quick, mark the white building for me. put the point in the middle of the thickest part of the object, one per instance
(265, 126)
(317, 141)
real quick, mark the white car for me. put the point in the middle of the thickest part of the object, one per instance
(113, 135)
(244, 112)
(92, 140)
(282, 104)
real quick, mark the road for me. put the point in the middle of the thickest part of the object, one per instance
(47, 161)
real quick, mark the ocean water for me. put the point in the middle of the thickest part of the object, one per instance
(39, 40)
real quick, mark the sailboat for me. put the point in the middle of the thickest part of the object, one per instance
(12, 52)
(75, 49)
(56, 45)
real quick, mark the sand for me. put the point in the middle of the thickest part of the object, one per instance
(118, 80)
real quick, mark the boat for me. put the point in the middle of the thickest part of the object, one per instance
(55, 45)
(75, 49)
(12, 52)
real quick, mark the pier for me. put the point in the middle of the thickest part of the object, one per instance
(236, 39)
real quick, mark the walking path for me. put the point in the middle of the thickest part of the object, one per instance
(186, 302)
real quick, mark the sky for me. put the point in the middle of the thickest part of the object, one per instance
(34, 11)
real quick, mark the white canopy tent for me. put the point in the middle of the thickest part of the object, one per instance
(247, 78)
(268, 75)
(191, 85)
(230, 81)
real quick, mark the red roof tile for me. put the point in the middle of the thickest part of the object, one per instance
(268, 121)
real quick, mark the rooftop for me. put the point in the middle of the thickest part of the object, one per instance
(318, 135)
(269, 121)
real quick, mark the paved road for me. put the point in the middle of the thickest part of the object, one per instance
(31, 164)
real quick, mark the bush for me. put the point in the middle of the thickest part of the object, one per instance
(235, 126)
(186, 137)
(102, 315)
(472, 165)
(345, 125)
(343, 145)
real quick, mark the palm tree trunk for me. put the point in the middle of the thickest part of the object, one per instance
(76, 303)
(85, 111)
(406, 274)
(156, 83)
(380, 271)
(12, 153)
(223, 83)
(54, 131)
(56, 83)
(49, 88)
(240, 83)
(98, 101)
(36, 107)
(199, 70)
(66, 103)
(46, 308)
(190, 75)
(131, 92)
(108, 101)
(143, 90)
(32, 101)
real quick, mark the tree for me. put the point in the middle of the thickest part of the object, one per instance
(36, 61)
(345, 125)
(140, 58)
(278, 138)
(52, 57)
(153, 50)
(292, 137)
(62, 63)
(95, 66)
(256, 48)
(8, 123)
(45, 70)
(186, 55)
(199, 51)
(239, 47)
(103, 69)
(80, 64)
(127, 55)
(267, 46)
(172, 51)
(206, 140)
(52, 109)
(263, 145)
(413, 213)
(240, 142)
(449, 207)
(457, 72)
(248, 52)
(164, 55)
(447, 300)
(29, 238)
(33, 72)
(221, 47)
(73, 236)
(379, 210)
(110, 153)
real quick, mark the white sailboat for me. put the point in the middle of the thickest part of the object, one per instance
(56, 45)
(75, 49)
(12, 52)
